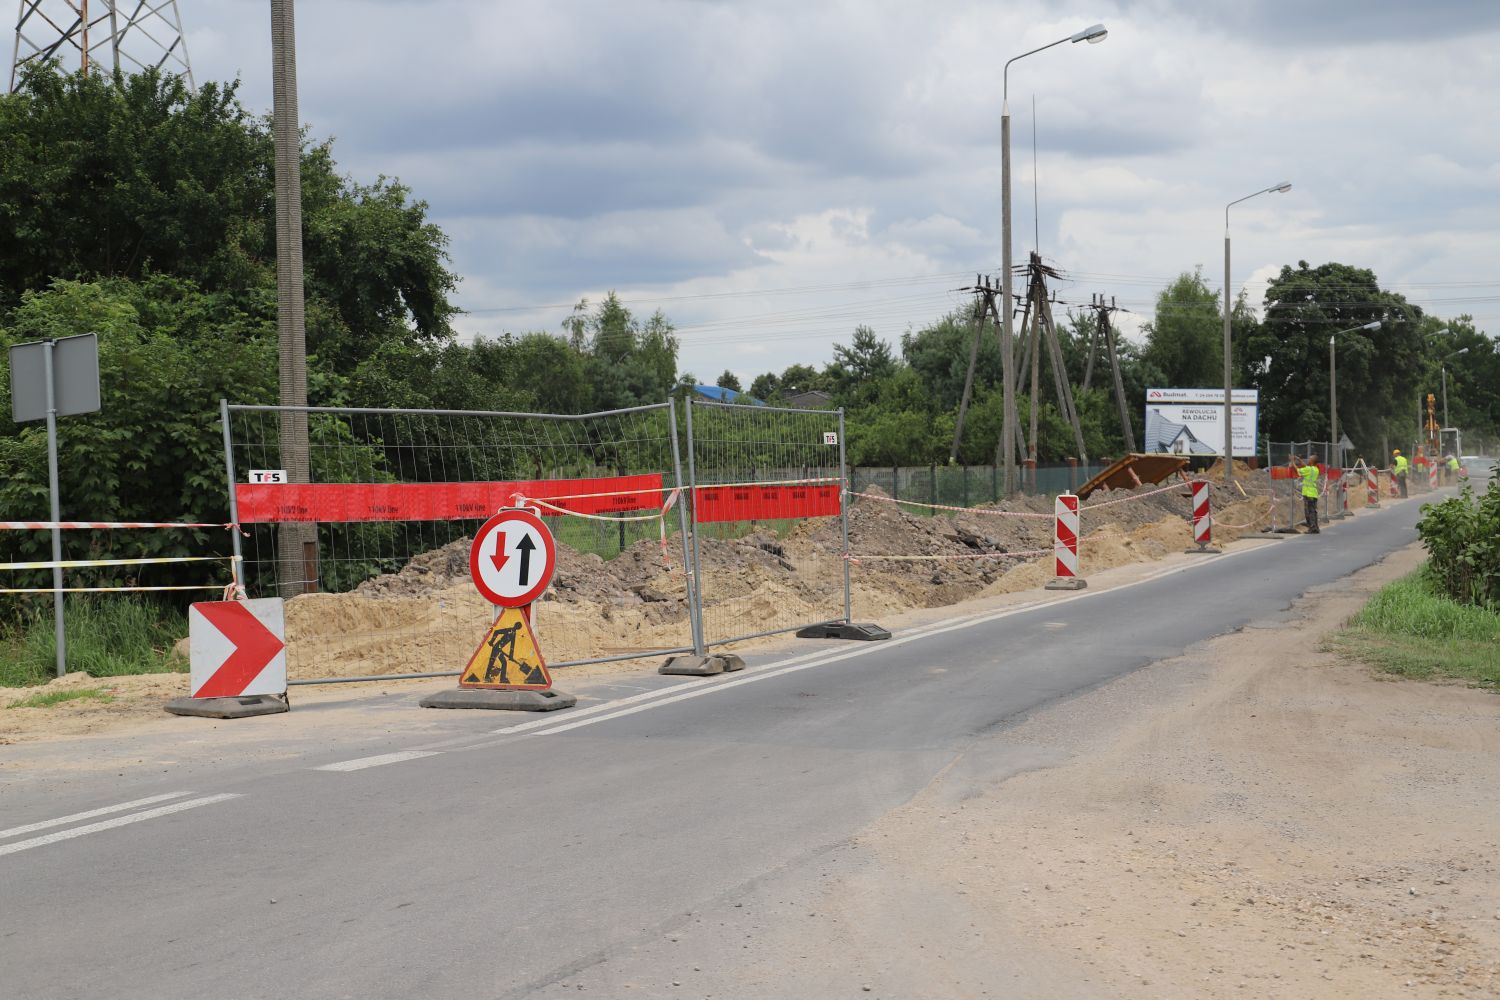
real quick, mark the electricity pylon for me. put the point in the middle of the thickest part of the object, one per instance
(130, 36)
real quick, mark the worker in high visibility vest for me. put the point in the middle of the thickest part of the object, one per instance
(1400, 463)
(1309, 473)
(1452, 469)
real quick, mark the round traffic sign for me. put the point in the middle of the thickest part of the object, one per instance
(512, 558)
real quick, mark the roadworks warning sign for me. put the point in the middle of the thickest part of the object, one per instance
(508, 658)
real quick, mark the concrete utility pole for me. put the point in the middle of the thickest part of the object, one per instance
(297, 551)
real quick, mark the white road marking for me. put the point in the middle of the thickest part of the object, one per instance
(360, 763)
(110, 824)
(819, 659)
(16, 831)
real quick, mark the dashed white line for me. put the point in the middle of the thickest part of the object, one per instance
(118, 821)
(360, 763)
(16, 831)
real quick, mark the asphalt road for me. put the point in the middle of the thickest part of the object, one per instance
(489, 864)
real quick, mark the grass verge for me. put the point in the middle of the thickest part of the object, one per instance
(1412, 629)
(107, 637)
(46, 699)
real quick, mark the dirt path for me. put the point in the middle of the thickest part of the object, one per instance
(1256, 819)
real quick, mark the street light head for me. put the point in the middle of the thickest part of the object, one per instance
(1282, 188)
(1094, 34)
(1462, 350)
(1372, 325)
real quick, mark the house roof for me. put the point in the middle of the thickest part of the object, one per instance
(721, 395)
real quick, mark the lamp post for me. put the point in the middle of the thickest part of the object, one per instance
(1281, 188)
(1093, 34)
(1443, 365)
(1333, 390)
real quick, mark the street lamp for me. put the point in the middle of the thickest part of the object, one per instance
(1443, 365)
(1093, 34)
(1333, 389)
(1281, 188)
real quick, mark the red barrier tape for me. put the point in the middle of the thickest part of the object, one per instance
(714, 504)
(349, 502)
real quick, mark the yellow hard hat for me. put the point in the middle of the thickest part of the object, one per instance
(1395, 451)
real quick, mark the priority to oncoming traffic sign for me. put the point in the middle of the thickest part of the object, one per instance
(512, 558)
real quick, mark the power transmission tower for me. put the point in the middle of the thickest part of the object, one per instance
(1037, 321)
(982, 293)
(129, 36)
(1104, 331)
(1037, 333)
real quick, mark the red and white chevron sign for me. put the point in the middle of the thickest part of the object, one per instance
(237, 648)
(1372, 486)
(1065, 535)
(1202, 520)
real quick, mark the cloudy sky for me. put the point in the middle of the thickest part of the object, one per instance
(772, 173)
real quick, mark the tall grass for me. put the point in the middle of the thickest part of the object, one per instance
(1410, 627)
(107, 637)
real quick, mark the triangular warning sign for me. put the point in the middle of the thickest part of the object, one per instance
(508, 658)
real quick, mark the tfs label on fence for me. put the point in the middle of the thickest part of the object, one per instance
(765, 503)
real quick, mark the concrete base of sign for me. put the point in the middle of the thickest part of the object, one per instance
(1066, 583)
(856, 631)
(1205, 550)
(701, 666)
(229, 708)
(500, 701)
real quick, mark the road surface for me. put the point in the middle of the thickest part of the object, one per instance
(510, 857)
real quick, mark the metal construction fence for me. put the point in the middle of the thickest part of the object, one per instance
(375, 546)
(767, 495)
(671, 521)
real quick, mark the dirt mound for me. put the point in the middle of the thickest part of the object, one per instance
(428, 617)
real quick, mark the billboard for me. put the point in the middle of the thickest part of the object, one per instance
(1191, 421)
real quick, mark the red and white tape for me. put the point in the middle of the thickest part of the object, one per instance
(100, 525)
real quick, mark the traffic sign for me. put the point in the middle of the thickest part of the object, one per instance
(508, 658)
(512, 558)
(237, 648)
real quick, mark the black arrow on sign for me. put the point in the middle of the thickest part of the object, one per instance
(525, 547)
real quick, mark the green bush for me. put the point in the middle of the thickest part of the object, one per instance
(1462, 536)
(107, 637)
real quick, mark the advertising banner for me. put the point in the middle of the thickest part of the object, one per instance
(1191, 421)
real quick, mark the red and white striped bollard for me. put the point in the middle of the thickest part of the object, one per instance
(1065, 544)
(1203, 521)
(1372, 487)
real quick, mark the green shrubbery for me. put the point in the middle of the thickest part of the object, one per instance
(1462, 536)
(107, 637)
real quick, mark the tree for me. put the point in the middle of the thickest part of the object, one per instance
(728, 380)
(129, 176)
(765, 387)
(1185, 337)
(153, 452)
(1378, 370)
(940, 356)
(856, 368)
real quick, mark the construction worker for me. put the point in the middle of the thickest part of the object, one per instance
(1399, 462)
(1309, 473)
(1452, 469)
